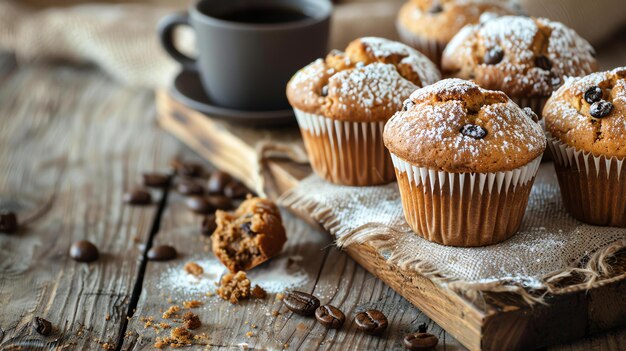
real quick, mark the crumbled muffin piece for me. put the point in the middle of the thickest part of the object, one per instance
(258, 292)
(192, 304)
(249, 236)
(191, 321)
(179, 337)
(171, 311)
(193, 269)
(234, 287)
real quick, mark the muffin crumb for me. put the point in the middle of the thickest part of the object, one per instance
(193, 269)
(234, 287)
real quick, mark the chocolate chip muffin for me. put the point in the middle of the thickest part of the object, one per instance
(526, 58)
(586, 125)
(343, 101)
(249, 236)
(428, 25)
(465, 159)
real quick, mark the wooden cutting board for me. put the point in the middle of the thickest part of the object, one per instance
(498, 322)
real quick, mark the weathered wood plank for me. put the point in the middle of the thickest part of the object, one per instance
(71, 142)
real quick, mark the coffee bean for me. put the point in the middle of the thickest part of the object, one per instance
(600, 109)
(208, 225)
(436, 8)
(42, 326)
(200, 205)
(371, 322)
(420, 341)
(189, 187)
(301, 303)
(220, 202)
(8, 222)
(473, 131)
(138, 197)
(156, 180)
(188, 169)
(593, 94)
(235, 190)
(543, 62)
(493, 56)
(84, 251)
(162, 253)
(330, 316)
(218, 181)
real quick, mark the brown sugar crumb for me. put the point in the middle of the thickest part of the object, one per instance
(179, 337)
(164, 325)
(191, 321)
(171, 312)
(280, 296)
(249, 334)
(234, 287)
(147, 321)
(193, 269)
(192, 304)
(258, 292)
(108, 346)
(107, 317)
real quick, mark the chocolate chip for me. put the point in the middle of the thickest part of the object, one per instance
(301, 303)
(530, 113)
(189, 187)
(218, 181)
(156, 180)
(543, 62)
(600, 109)
(42, 326)
(84, 251)
(473, 131)
(407, 105)
(371, 322)
(162, 253)
(200, 205)
(208, 225)
(436, 8)
(8, 222)
(493, 56)
(593, 94)
(330, 316)
(138, 197)
(188, 169)
(247, 228)
(220, 202)
(236, 190)
(325, 90)
(420, 341)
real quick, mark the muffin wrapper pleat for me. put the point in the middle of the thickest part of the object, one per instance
(464, 209)
(593, 187)
(344, 152)
(433, 49)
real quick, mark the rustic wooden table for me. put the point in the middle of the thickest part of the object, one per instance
(71, 143)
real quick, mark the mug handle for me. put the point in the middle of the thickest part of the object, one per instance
(166, 35)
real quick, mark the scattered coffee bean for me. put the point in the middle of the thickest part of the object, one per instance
(84, 251)
(42, 326)
(494, 56)
(200, 205)
(330, 316)
(8, 222)
(220, 202)
(208, 225)
(162, 253)
(474, 131)
(600, 109)
(138, 197)
(593, 94)
(301, 303)
(420, 341)
(325, 90)
(218, 181)
(530, 113)
(436, 8)
(543, 62)
(235, 190)
(156, 180)
(188, 169)
(188, 187)
(371, 322)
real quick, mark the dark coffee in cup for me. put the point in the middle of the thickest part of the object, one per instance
(248, 49)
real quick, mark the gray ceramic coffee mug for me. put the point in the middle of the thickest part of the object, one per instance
(245, 65)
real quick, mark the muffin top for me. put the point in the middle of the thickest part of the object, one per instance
(456, 126)
(589, 113)
(440, 20)
(521, 56)
(367, 82)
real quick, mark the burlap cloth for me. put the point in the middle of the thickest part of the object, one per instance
(551, 253)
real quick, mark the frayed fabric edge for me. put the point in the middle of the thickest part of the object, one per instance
(590, 272)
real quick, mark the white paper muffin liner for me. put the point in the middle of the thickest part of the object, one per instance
(433, 49)
(593, 187)
(464, 209)
(344, 152)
